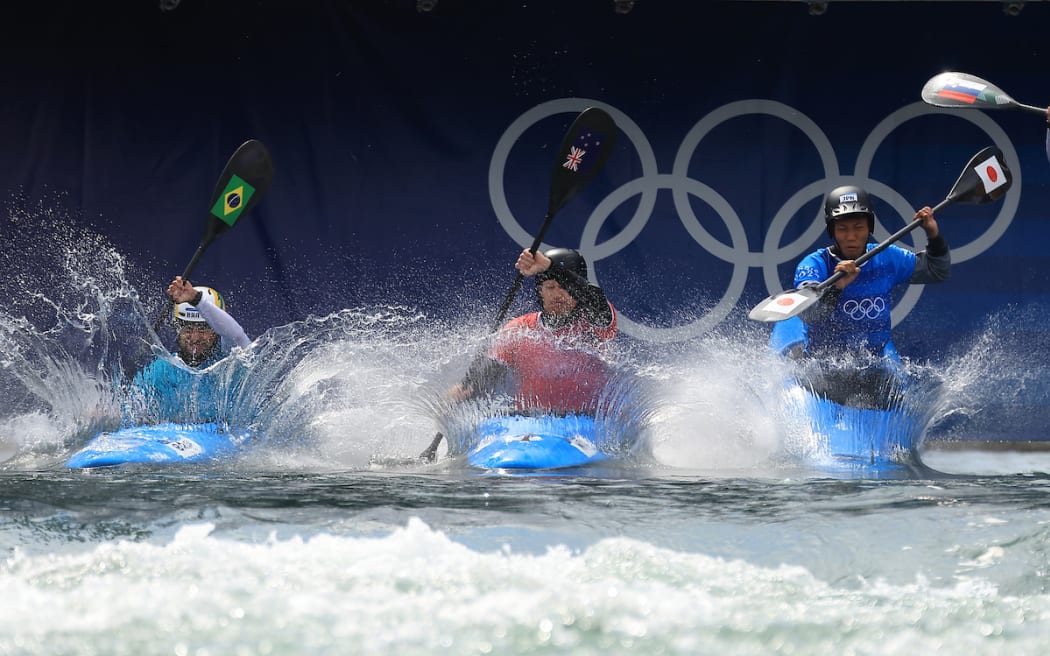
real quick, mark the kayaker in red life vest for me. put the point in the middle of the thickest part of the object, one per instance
(555, 355)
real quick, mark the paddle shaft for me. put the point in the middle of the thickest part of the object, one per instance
(185, 275)
(430, 453)
(1031, 108)
(566, 181)
(892, 239)
(196, 256)
(501, 315)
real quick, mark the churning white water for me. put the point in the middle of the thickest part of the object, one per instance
(324, 538)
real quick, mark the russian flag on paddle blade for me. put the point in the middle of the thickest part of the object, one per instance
(583, 151)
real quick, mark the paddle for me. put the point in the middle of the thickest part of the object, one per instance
(962, 90)
(242, 184)
(985, 178)
(582, 154)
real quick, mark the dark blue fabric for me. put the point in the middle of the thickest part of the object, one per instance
(384, 124)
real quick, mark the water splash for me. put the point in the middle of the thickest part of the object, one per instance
(71, 325)
(339, 391)
(716, 408)
(997, 389)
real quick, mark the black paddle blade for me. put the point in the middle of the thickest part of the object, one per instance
(581, 156)
(985, 179)
(240, 187)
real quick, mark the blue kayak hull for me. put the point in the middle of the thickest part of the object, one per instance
(543, 442)
(874, 442)
(157, 444)
(878, 442)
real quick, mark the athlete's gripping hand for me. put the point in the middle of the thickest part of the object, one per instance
(529, 264)
(181, 291)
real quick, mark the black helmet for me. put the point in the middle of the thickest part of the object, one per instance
(847, 201)
(561, 259)
(566, 258)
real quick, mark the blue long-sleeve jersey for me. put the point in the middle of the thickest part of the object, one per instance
(858, 317)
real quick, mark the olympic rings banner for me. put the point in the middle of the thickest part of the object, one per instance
(413, 148)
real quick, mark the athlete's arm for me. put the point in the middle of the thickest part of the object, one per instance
(222, 323)
(810, 272)
(824, 307)
(483, 376)
(933, 264)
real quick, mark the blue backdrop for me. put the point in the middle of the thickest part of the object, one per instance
(413, 150)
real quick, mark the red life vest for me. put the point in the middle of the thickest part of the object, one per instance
(558, 370)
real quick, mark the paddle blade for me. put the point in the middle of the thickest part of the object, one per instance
(785, 305)
(240, 187)
(955, 89)
(581, 156)
(986, 178)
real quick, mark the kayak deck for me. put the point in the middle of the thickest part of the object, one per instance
(536, 442)
(167, 443)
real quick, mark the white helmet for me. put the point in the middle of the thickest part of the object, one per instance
(187, 312)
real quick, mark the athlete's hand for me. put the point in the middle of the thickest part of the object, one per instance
(848, 267)
(459, 393)
(929, 224)
(181, 291)
(530, 264)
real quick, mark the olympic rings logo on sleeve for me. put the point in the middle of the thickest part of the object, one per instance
(738, 252)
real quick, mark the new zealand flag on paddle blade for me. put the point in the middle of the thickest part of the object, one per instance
(582, 155)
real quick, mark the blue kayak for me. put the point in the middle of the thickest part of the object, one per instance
(877, 434)
(866, 441)
(541, 442)
(158, 444)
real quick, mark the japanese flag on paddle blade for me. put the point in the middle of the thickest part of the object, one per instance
(992, 174)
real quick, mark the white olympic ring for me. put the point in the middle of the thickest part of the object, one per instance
(738, 253)
(865, 308)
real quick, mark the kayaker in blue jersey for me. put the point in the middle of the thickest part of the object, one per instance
(855, 313)
(853, 317)
(173, 389)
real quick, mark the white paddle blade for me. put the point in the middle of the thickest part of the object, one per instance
(784, 305)
(955, 90)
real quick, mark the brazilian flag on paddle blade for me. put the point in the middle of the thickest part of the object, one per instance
(232, 201)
